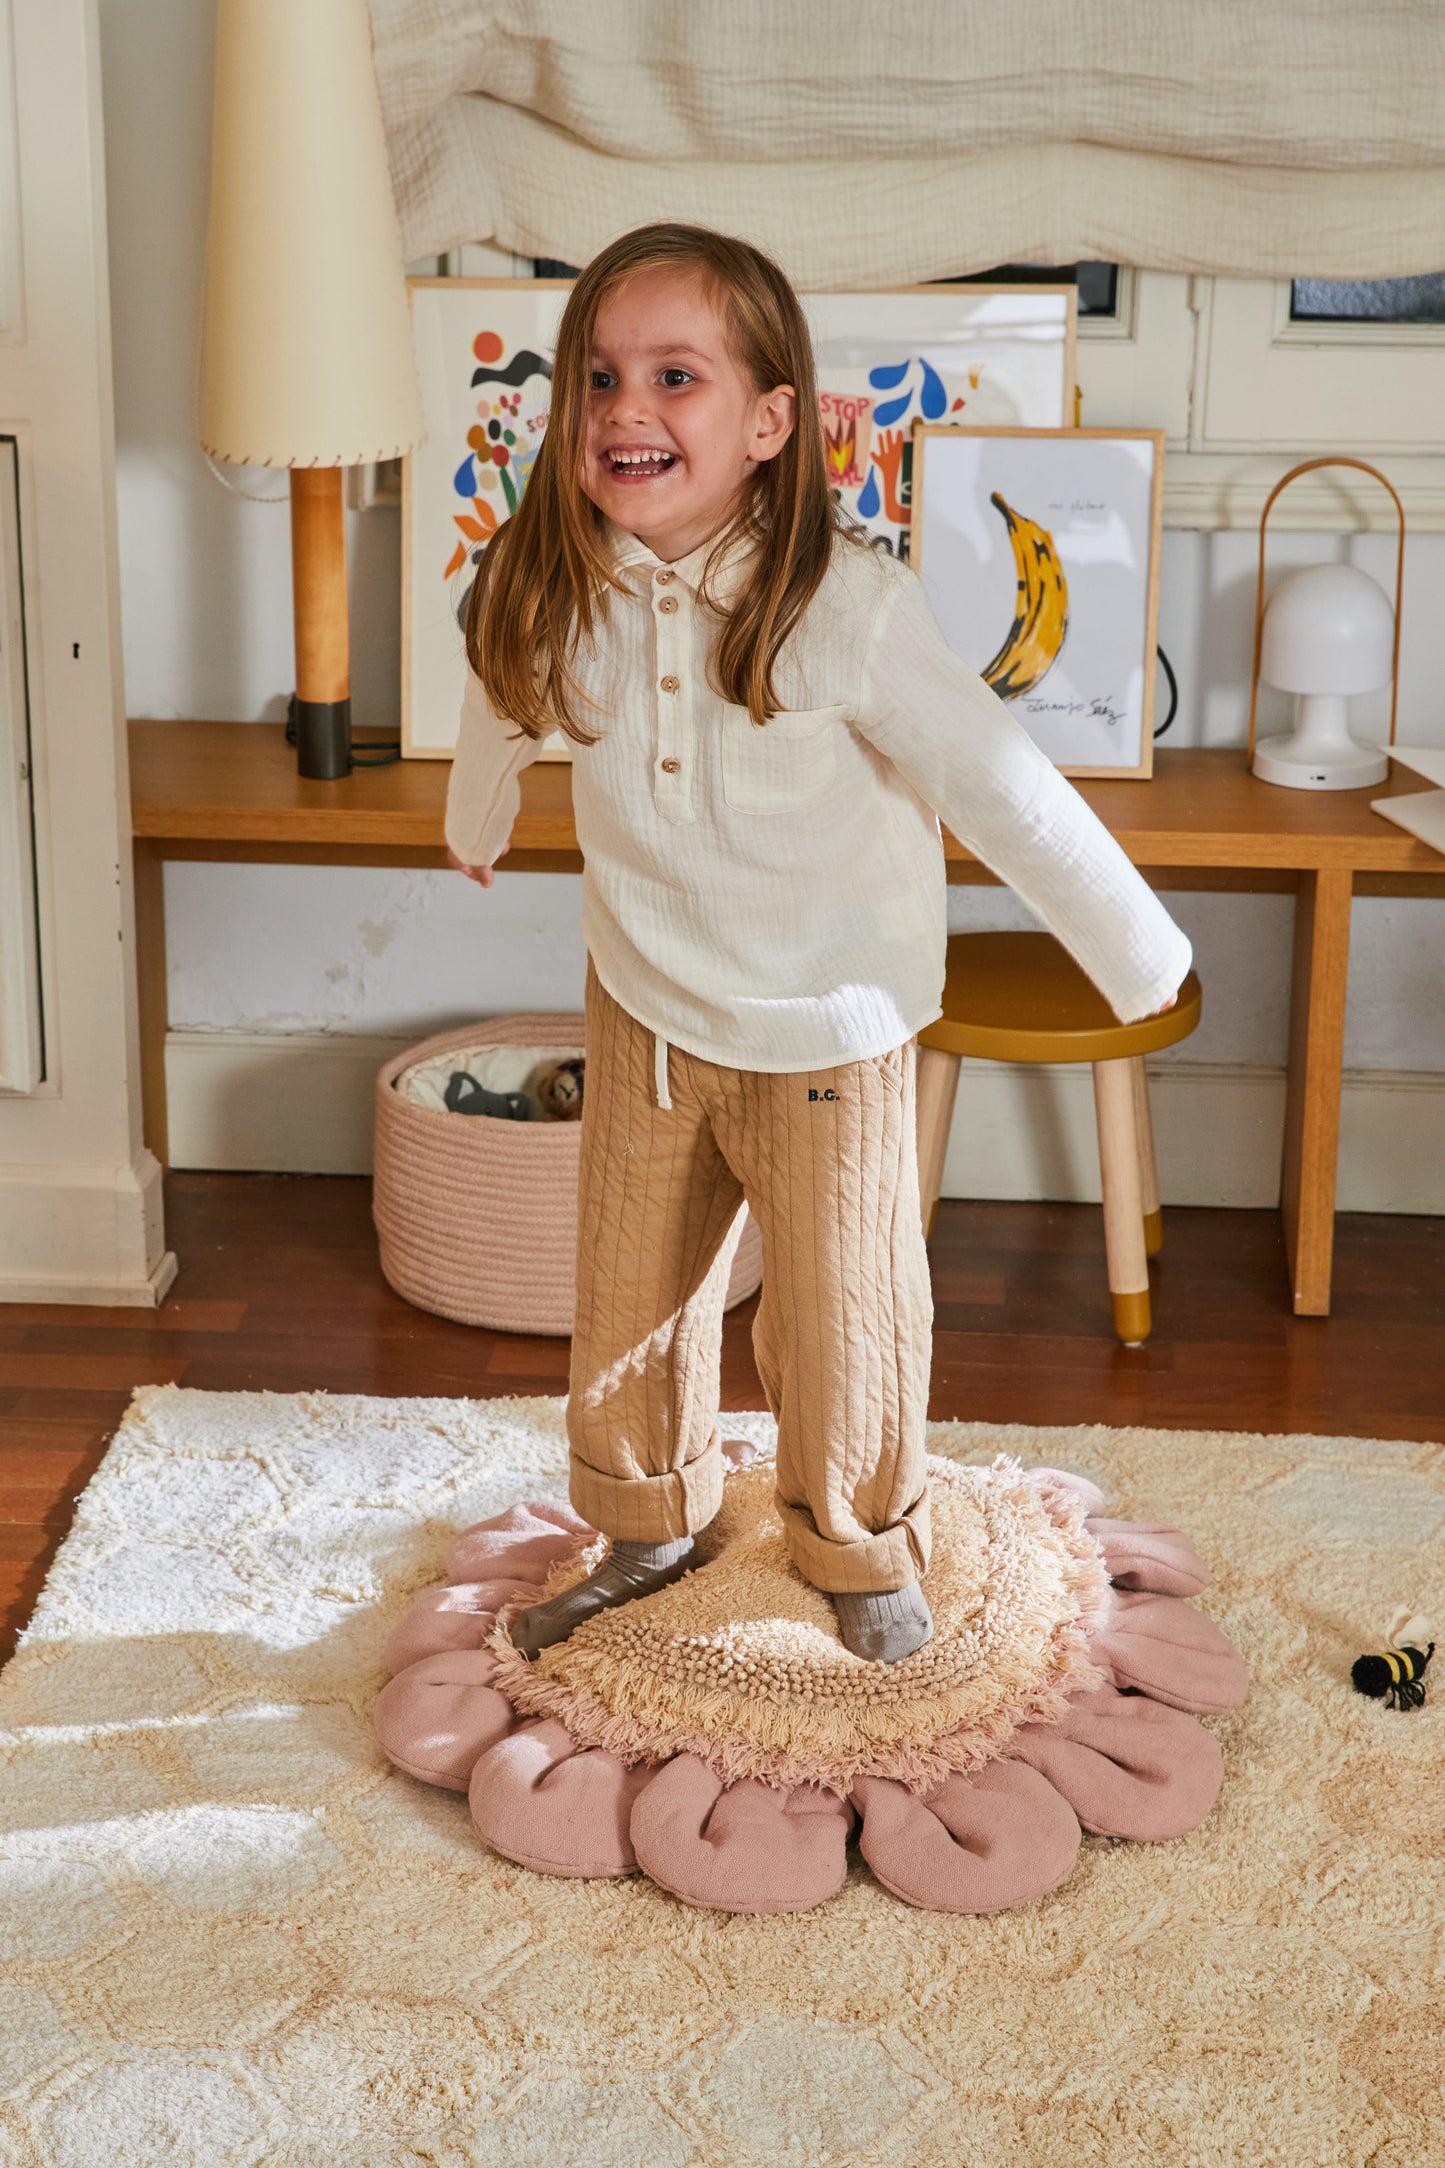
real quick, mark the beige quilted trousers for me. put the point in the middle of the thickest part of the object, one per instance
(826, 1160)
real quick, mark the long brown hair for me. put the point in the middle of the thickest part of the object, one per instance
(544, 579)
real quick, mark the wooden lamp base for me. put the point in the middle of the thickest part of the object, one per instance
(323, 658)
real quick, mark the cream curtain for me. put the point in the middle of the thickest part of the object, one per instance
(868, 143)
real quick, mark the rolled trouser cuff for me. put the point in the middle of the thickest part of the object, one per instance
(650, 1508)
(894, 1558)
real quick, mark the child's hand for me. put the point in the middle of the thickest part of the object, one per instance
(482, 875)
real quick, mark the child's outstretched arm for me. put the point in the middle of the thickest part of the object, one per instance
(483, 794)
(955, 742)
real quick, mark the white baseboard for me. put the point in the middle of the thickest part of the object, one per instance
(1025, 1131)
(146, 1294)
(1021, 1131)
(302, 1104)
(87, 1234)
(274, 1102)
(1392, 1141)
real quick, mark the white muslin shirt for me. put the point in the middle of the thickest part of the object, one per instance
(773, 897)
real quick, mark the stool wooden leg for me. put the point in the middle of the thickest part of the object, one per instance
(1148, 1166)
(936, 1089)
(1123, 1199)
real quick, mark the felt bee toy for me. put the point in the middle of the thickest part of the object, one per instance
(464, 1095)
(560, 1090)
(1394, 1676)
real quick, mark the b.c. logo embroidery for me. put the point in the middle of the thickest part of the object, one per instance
(828, 1094)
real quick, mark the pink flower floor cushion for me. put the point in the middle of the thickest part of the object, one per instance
(718, 1737)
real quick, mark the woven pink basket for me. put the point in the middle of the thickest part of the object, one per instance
(477, 1218)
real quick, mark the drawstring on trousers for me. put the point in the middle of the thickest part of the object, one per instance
(659, 1071)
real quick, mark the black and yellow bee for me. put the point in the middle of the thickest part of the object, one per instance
(1394, 1676)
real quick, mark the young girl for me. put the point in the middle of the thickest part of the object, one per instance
(766, 725)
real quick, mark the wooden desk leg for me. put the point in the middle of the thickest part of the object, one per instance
(150, 955)
(1316, 1067)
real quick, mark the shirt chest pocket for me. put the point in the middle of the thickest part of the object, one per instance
(787, 763)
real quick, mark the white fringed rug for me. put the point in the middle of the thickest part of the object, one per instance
(234, 1935)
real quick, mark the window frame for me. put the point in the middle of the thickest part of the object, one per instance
(1266, 382)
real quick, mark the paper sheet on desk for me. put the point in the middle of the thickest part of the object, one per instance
(1423, 813)
(1426, 760)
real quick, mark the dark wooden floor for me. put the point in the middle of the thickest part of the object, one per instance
(279, 1288)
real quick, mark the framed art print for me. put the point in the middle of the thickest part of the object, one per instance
(886, 361)
(484, 355)
(1038, 550)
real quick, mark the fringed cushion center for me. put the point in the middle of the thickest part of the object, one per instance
(741, 1664)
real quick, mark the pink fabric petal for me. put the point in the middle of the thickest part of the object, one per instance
(740, 1847)
(1168, 1650)
(437, 1716)
(460, 1617)
(1128, 1766)
(740, 1452)
(524, 1543)
(537, 1799)
(1141, 1555)
(978, 1844)
(1064, 1479)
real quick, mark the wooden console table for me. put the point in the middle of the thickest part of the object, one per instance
(231, 791)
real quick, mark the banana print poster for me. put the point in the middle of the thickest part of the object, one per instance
(1039, 554)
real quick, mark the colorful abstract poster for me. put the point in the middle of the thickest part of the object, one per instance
(886, 361)
(1039, 554)
(992, 355)
(484, 352)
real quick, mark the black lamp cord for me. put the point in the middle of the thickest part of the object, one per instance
(1173, 695)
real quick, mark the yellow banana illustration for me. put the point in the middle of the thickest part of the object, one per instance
(1041, 615)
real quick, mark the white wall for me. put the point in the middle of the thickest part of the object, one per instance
(390, 956)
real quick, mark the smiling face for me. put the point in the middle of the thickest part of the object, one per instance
(675, 427)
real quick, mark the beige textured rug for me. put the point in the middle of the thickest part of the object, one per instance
(233, 1935)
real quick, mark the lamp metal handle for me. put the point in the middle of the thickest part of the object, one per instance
(1305, 467)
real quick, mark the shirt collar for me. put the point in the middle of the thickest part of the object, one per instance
(628, 551)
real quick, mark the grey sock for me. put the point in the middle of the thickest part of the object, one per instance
(628, 1570)
(886, 1627)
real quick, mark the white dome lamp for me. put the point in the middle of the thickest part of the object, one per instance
(1329, 631)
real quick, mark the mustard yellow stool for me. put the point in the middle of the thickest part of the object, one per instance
(1021, 997)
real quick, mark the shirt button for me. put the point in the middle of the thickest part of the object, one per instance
(670, 767)
(667, 605)
(669, 684)
(663, 578)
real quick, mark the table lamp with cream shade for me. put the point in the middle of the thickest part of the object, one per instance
(308, 346)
